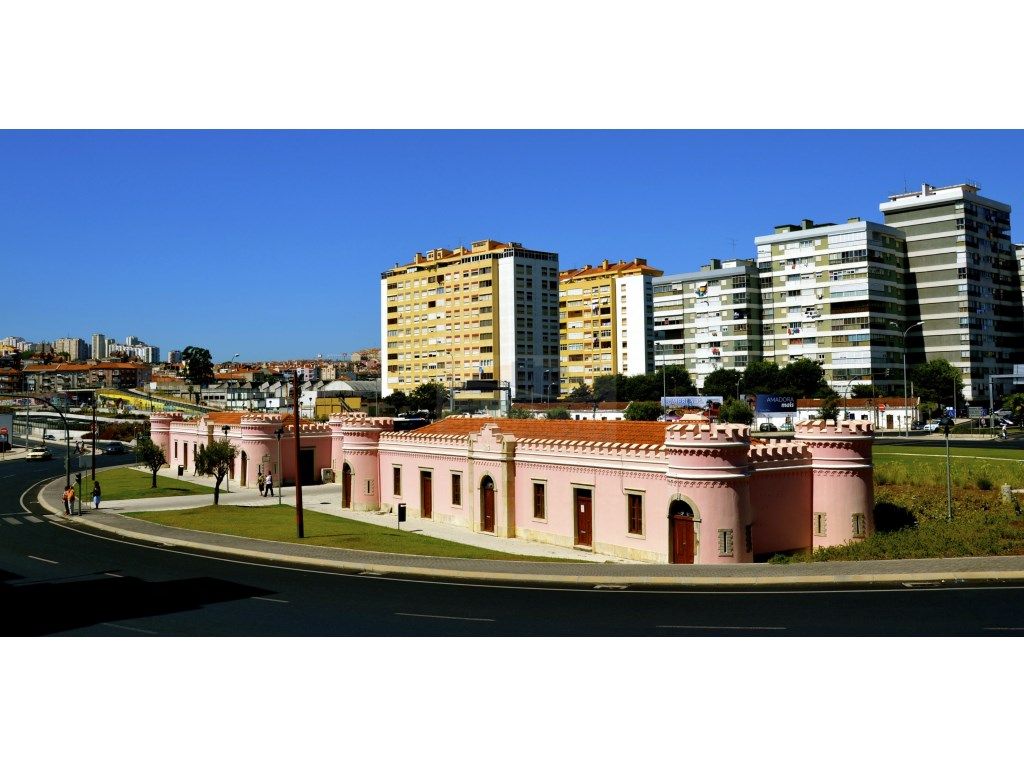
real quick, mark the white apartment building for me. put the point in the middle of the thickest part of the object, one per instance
(835, 293)
(967, 279)
(708, 319)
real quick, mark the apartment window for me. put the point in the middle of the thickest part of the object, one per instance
(819, 525)
(457, 490)
(725, 542)
(859, 524)
(635, 513)
(396, 480)
(538, 501)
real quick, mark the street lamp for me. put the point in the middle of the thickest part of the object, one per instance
(547, 383)
(227, 488)
(906, 419)
(280, 483)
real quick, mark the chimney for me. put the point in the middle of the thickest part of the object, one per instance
(806, 224)
(604, 264)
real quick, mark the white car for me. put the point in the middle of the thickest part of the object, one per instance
(38, 454)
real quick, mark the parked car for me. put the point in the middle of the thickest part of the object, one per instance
(786, 427)
(49, 437)
(38, 454)
(916, 425)
(115, 447)
(768, 427)
(934, 424)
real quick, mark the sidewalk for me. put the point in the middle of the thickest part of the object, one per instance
(600, 572)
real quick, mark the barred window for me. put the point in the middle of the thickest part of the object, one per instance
(396, 475)
(820, 526)
(859, 524)
(456, 490)
(725, 541)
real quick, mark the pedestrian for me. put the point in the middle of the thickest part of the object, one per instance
(66, 498)
(95, 494)
(260, 480)
(268, 483)
(1004, 432)
(71, 499)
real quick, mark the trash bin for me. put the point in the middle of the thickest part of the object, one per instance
(181, 470)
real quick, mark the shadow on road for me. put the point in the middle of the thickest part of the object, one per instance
(32, 610)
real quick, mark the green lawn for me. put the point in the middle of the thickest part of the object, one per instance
(979, 467)
(278, 524)
(125, 483)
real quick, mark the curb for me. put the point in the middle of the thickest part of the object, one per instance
(525, 577)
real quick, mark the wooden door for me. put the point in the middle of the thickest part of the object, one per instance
(487, 505)
(346, 486)
(681, 536)
(584, 518)
(306, 466)
(426, 495)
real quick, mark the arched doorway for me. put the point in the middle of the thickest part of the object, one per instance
(680, 532)
(346, 486)
(245, 467)
(487, 504)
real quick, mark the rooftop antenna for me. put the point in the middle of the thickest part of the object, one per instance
(732, 240)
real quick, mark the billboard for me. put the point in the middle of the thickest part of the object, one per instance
(691, 401)
(775, 404)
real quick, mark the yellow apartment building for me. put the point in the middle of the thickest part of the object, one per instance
(605, 316)
(486, 312)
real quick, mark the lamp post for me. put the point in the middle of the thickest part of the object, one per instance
(547, 384)
(299, 527)
(278, 432)
(906, 419)
(227, 488)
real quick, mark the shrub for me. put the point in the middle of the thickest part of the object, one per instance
(984, 484)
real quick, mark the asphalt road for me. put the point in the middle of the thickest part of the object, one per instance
(63, 579)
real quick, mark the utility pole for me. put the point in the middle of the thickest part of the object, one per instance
(298, 478)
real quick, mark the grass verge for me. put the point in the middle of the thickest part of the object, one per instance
(278, 524)
(125, 483)
(969, 467)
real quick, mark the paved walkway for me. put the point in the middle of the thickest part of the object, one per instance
(598, 572)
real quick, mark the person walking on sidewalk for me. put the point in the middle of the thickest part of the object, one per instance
(268, 484)
(67, 496)
(71, 499)
(261, 481)
(95, 494)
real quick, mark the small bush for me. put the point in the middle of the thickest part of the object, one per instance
(984, 484)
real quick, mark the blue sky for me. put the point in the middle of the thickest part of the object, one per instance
(183, 237)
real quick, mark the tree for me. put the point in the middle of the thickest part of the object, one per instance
(1015, 405)
(150, 454)
(198, 367)
(607, 389)
(723, 382)
(735, 412)
(829, 408)
(936, 381)
(398, 401)
(429, 396)
(802, 378)
(519, 413)
(677, 381)
(862, 390)
(560, 414)
(761, 377)
(582, 394)
(216, 459)
(642, 411)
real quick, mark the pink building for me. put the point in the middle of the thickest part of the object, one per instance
(650, 491)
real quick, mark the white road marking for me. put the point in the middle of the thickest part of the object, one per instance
(43, 559)
(11, 520)
(1005, 629)
(33, 519)
(432, 616)
(115, 575)
(270, 599)
(133, 629)
(695, 626)
(609, 586)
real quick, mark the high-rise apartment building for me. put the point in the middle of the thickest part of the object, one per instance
(605, 322)
(709, 319)
(835, 293)
(489, 312)
(99, 346)
(965, 278)
(75, 349)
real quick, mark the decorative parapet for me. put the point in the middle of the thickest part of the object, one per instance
(819, 428)
(591, 448)
(678, 433)
(781, 453)
(413, 438)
